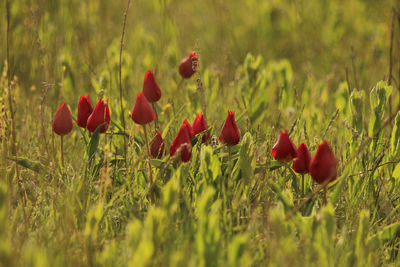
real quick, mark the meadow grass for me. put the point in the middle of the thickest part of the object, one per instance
(320, 69)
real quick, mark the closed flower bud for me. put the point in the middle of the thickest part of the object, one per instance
(84, 111)
(157, 146)
(188, 127)
(199, 126)
(188, 65)
(150, 87)
(142, 112)
(182, 142)
(230, 134)
(284, 150)
(99, 116)
(302, 160)
(323, 165)
(62, 123)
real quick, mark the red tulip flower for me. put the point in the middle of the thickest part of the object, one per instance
(99, 116)
(230, 134)
(84, 111)
(284, 150)
(182, 142)
(142, 112)
(62, 123)
(199, 126)
(157, 146)
(323, 165)
(150, 87)
(302, 160)
(188, 65)
(189, 128)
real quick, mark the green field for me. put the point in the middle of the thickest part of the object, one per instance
(322, 70)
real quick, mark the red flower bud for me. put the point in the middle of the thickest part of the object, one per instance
(189, 128)
(199, 126)
(157, 146)
(182, 142)
(302, 160)
(150, 87)
(188, 65)
(142, 112)
(230, 134)
(62, 123)
(84, 111)
(323, 165)
(100, 115)
(284, 150)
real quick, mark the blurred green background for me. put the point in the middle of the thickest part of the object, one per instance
(319, 38)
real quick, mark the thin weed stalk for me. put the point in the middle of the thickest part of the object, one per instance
(120, 82)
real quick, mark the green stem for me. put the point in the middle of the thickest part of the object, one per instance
(302, 185)
(150, 167)
(62, 152)
(155, 111)
(229, 164)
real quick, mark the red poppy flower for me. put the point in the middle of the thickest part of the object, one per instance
(62, 123)
(150, 87)
(230, 134)
(199, 126)
(302, 161)
(100, 115)
(188, 65)
(142, 112)
(182, 142)
(323, 165)
(284, 150)
(84, 111)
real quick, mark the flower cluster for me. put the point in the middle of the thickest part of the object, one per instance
(322, 167)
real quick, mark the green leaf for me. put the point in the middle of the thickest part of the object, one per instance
(396, 172)
(274, 165)
(94, 142)
(334, 198)
(378, 98)
(27, 163)
(198, 137)
(395, 139)
(210, 165)
(282, 197)
(247, 161)
(388, 233)
(357, 99)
